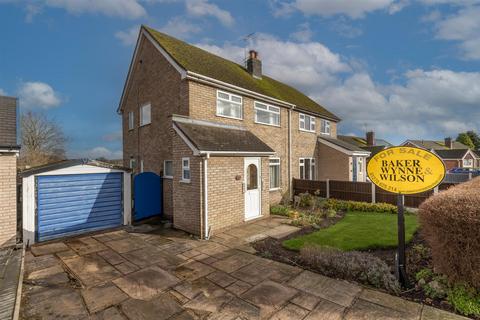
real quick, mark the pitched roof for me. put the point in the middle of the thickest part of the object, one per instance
(374, 149)
(345, 145)
(199, 61)
(451, 153)
(437, 145)
(209, 137)
(362, 142)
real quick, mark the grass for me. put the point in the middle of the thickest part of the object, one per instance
(358, 231)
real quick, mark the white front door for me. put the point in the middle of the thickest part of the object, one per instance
(360, 170)
(252, 188)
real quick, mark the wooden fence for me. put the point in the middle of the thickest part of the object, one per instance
(359, 191)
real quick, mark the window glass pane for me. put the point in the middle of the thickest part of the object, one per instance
(186, 174)
(168, 170)
(229, 109)
(307, 169)
(252, 177)
(145, 114)
(307, 123)
(312, 126)
(274, 173)
(236, 99)
(223, 95)
(130, 120)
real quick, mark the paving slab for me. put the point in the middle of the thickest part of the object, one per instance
(55, 303)
(33, 263)
(159, 308)
(92, 269)
(214, 249)
(149, 255)
(112, 235)
(111, 257)
(238, 287)
(337, 291)
(234, 262)
(237, 309)
(85, 245)
(49, 276)
(191, 289)
(326, 310)
(125, 245)
(290, 312)
(68, 254)
(193, 270)
(260, 270)
(102, 297)
(210, 299)
(411, 308)
(430, 313)
(365, 310)
(269, 296)
(50, 248)
(111, 313)
(281, 231)
(126, 267)
(185, 315)
(306, 301)
(146, 283)
(221, 278)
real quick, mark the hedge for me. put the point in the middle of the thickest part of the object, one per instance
(450, 223)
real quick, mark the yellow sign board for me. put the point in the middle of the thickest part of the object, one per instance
(406, 170)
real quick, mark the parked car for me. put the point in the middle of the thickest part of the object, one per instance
(465, 170)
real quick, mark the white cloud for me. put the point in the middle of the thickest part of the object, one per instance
(180, 27)
(131, 9)
(353, 9)
(38, 95)
(303, 33)
(464, 27)
(102, 152)
(128, 37)
(201, 8)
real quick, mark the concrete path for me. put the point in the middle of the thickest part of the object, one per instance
(164, 274)
(10, 267)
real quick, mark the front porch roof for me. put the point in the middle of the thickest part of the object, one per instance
(206, 137)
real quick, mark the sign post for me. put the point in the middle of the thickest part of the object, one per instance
(405, 170)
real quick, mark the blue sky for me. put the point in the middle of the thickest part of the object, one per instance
(403, 68)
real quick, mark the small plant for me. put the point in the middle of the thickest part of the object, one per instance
(279, 210)
(330, 213)
(306, 200)
(464, 299)
(425, 274)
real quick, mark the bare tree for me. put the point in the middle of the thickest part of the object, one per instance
(42, 139)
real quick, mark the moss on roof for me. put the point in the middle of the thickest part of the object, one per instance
(197, 60)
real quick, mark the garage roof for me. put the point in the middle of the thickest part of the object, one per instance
(70, 163)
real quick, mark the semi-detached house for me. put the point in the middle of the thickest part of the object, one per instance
(226, 138)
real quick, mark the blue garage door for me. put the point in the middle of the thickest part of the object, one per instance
(74, 204)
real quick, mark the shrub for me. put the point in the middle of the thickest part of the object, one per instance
(450, 223)
(306, 200)
(358, 206)
(353, 265)
(465, 300)
(279, 210)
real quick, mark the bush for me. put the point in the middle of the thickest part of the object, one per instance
(279, 210)
(465, 300)
(450, 223)
(353, 265)
(358, 206)
(306, 200)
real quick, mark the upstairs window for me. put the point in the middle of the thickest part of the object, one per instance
(186, 169)
(145, 116)
(229, 105)
(131, 120)
(267, 114)
(325, 127)
(307, 123)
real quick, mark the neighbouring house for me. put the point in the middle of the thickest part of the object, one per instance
(453, 153)
(369, 143)
(9, 149)
(227, 139)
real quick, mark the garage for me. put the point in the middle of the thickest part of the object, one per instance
(74, 197)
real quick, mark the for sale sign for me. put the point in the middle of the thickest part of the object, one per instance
(406, 170)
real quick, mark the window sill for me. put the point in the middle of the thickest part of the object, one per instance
(308, 131)
(184, 181)
(274, 189)
(168, 177)
(326, 133)
(144, 125)
(234, 118)
(268, 124)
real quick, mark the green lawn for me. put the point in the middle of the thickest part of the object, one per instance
(358, 231)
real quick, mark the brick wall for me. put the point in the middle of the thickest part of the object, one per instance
(8, 121)
(8, 199)
(335, 164)
(450, 164)
(157, 82)
(187, 197)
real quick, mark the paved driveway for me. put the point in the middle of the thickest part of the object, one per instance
(150, 273)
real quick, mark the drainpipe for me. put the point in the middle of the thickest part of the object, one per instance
(289, 171)
(205, 195)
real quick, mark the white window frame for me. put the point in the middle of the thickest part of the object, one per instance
(133, 163)
(165, 169)
(229, 101)
(312, 169)
(131, 120)
(279, 173)
(141, 165)
(269, 109)
(302, 122)
(144, 122)
(325, 124)
(186, 168)
(469, 164)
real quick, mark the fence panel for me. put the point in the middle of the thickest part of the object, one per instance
(310, 186)
(349, 190)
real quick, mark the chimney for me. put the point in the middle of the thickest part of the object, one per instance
(254, 65)
(449, 143)
(370, 139)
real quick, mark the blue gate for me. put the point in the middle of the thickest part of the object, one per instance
(148, 195)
